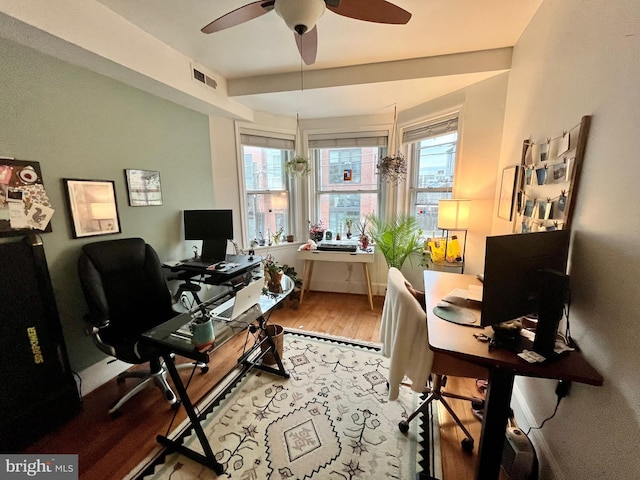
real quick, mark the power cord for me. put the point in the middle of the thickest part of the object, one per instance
(567, 332)
(562, 390)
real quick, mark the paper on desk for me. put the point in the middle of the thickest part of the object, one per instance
(474, 292)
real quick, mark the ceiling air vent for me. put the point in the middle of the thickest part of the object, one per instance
(204, 78)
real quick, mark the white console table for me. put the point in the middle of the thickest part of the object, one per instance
(359, 256)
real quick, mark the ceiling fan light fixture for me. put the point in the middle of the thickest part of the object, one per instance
(300, 15)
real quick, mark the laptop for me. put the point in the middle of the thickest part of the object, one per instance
(236, 306)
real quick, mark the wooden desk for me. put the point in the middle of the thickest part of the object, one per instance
(359, 256)
(503, 365)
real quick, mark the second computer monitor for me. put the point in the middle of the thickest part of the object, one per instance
(213, 227)
(516, 269)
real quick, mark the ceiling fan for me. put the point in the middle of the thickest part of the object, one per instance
(301, 17)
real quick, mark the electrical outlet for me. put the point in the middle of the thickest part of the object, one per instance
(562, 389)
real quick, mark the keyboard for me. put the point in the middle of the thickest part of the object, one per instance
(337, 247)
(226, 313)
(458, 293)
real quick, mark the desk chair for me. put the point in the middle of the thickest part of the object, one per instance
(126, 294)
(405, 340)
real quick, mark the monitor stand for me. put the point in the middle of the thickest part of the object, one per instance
(550, 309)
(214, 250)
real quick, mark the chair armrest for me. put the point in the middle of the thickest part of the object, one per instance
(97, 321)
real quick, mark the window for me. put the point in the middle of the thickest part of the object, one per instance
(433, 157)
(346, 179)
(266, 185)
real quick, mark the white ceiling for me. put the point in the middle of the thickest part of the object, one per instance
(261, 55)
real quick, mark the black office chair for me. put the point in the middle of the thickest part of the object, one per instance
(126, 294)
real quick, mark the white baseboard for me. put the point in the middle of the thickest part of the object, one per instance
(548, 465)
(100, 373)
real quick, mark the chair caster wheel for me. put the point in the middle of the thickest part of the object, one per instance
(175, 406)
(204, 369)
(403, 426)
(115, 415)
(467, 444)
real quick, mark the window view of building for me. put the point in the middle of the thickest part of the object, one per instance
(346, 186)
(433, 159)
(267, 192)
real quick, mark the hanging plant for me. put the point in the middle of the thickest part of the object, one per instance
(298, 166)
(392, 168)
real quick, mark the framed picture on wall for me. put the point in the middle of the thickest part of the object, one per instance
(507, 192)
(92, 207)
(144, 188)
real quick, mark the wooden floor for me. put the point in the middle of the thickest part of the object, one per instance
(109, 448)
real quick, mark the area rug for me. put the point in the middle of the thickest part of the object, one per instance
(330, 420)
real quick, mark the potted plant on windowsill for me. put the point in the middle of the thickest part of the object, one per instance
(298, 166)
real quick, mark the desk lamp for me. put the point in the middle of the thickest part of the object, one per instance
(453, 215)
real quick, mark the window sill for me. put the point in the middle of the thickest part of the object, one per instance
(280, 246)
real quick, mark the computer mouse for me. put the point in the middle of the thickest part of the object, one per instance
(221, 266)
(443, 304)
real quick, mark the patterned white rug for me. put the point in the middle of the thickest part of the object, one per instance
(330, 420)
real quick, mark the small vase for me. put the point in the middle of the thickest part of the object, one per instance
(364, 242)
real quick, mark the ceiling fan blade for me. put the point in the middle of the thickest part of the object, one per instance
(240, 15)
(308, 45)
(379, 11)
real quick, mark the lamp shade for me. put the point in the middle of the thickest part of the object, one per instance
(453, 214)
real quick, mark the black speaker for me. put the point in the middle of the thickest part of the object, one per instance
(38, 392)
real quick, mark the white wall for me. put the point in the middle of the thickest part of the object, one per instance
(583, 58)
(481, 117)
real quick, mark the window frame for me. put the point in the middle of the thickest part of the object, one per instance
(344, 140)
(413, 149)
(280, 137)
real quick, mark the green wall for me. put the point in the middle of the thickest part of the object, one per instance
(79, 124)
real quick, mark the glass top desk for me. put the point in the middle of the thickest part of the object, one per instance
(170, 342)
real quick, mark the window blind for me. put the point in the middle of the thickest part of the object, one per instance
(430, 129)
(348, 140)
(267, 142)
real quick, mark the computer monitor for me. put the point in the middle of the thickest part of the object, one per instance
(213, 227)
(526, 274)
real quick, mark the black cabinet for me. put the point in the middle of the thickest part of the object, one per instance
(37, 390)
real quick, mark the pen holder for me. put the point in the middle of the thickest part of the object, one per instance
(202, 332)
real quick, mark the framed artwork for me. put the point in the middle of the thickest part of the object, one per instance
(92, 207)
(507, 192)
(144, 188)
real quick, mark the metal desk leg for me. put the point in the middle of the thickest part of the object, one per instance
(497, 410)
(274, 351)
(209, 458)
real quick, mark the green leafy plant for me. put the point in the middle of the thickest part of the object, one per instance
(273, 269)
(396, 239)
(298, 165)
